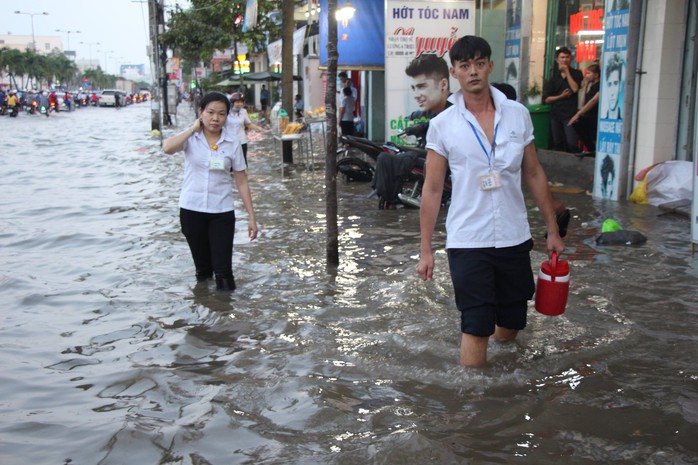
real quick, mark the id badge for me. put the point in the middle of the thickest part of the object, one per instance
(490, 181)
(216, 164)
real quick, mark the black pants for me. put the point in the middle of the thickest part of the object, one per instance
(210, 239)
(587, 130)
(347, 127)
(565, 137)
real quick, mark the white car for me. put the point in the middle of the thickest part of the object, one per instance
(108, 98)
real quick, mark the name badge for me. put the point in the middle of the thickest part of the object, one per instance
(490, 181)
(216, 164)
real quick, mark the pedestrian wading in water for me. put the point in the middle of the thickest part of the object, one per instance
(486, 140)
(206, 214)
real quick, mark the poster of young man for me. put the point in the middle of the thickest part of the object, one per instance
(613, 75)
(418, 36)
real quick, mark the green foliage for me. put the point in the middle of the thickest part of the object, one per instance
(41, 69)
(209, 25)
(533, 91)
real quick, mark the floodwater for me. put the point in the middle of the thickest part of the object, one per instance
(112, 354)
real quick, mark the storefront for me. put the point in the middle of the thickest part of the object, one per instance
(647, 52)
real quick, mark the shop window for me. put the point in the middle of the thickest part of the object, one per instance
(578, 26)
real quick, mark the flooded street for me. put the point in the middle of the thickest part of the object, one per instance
(113, 354)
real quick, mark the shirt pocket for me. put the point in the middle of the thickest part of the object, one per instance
(510, 155)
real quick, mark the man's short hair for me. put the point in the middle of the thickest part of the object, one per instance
(615, 63)
(429, 65)
(469, 48)
(564, 50)
(343, 74)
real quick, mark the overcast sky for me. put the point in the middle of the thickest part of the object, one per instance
(120, 27)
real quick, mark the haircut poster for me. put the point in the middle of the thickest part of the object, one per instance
(613, 74)
(418, 36)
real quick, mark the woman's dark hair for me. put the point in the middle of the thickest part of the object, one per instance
(469, 48)
(214, 97)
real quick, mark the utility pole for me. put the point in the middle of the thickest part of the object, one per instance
(331, 207)
(160, 18)
(287, 28)
(156, 101)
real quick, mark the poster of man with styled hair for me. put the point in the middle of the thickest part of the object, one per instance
(612, 90)
(418, 36)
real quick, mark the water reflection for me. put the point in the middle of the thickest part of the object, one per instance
(113, 350)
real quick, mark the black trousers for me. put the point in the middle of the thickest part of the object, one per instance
(564, 137)
(347, 127)
(587, 130)
(210, 239)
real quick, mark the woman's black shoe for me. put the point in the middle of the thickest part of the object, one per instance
(225, 283)
(203, 275)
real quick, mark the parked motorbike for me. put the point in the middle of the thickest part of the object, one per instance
(400, 175)
(356, 169)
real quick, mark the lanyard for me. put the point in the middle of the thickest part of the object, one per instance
(490, 156)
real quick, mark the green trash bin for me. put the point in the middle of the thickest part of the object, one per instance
(540, 116)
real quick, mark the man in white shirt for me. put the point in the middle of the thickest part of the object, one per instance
(487, 142)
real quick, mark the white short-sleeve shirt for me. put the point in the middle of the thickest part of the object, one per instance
(236, 123)
(483, 218)
(209, 190)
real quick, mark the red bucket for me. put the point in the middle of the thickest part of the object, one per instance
(553, 286)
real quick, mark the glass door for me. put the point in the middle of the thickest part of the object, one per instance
(687, 105)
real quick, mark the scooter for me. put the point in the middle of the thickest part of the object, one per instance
(356, 169)
(400, 174)
(14, 110)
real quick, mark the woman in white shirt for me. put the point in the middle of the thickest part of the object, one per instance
(239, 121)
(207, 215)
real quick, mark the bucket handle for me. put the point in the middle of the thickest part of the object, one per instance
(553, 264)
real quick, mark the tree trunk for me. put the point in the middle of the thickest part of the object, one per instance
(287, 28)
(331, 151)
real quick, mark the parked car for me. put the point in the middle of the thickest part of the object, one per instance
(108, 98)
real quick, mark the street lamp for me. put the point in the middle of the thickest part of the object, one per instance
(68, 32)
(345, 13)
(90, 44)
(17, 12)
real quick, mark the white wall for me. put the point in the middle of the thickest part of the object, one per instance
(659, 88)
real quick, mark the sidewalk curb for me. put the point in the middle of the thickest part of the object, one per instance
(566, 168)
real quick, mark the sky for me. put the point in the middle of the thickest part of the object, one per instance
(119, 26)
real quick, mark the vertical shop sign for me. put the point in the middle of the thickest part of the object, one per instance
(425, 31)
(613, 75)
(512, 45)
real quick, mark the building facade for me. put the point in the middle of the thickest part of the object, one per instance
(654, 41)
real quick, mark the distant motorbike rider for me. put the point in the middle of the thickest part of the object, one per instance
(53, 100)
(12, 104)
(66, 100)
(44, 102)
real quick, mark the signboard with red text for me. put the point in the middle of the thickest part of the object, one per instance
(420, 30)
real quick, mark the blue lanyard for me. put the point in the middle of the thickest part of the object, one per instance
(490, 156)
